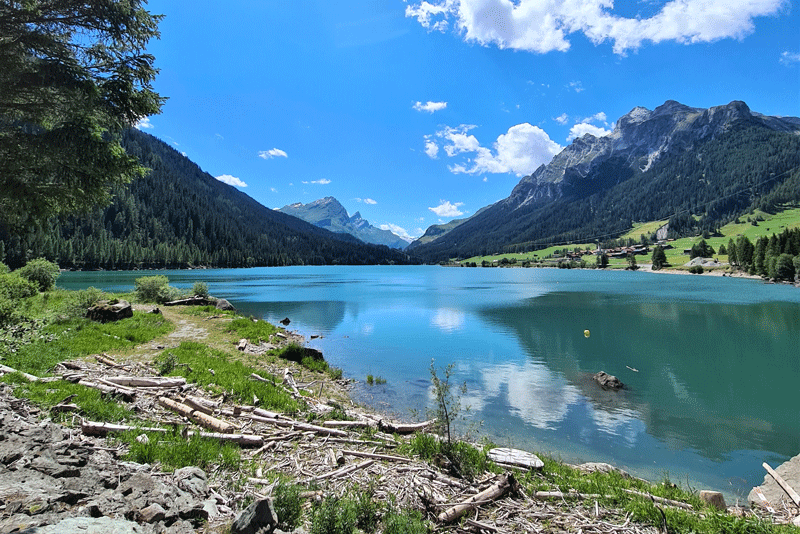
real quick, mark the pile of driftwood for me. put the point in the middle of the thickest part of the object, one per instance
(341, 457)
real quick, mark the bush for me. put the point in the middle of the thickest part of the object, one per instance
(334, 516)
(76, 303)
(155, 289)
(404, 523)
(696, 269)
(41, 272)
(200, 289)
(13, 288)
(288, 506)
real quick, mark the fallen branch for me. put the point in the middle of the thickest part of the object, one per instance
(91, 428)
(568, 495)
(403, 428)
(661, 500)
(490, 494)
(147, 381)
(105, 359)
(377, 456)
(289, 423)
(198, 417)
(6, 369)
(343, 471)
(125, 393)
(783, 484)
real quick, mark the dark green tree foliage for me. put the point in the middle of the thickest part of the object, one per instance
(776, 257)
(72, 76)
(749, 167)
(701, 250)
(659, 258)
(179, 216)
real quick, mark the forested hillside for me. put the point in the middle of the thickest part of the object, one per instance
(179, 216)
(749, 166)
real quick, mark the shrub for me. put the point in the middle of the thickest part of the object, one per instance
(288, 506)
(13, 288)
(334, 516)
(41, 272)
(155, 289)
(404, 523)
(696, 269)
(76, 303)
(200, 289)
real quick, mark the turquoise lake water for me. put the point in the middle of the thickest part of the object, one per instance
(711, 364)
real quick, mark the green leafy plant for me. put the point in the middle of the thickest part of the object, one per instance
(200, 289)
(288, 505)
(407, 522)
(151, 288)
(41, 272)
(334, 516)
(447, 405)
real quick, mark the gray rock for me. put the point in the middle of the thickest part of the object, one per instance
(259, 515)
(608, 381)
(88, 525)
(790, 472)
(104, 311)
(192, 479)
(224, 305)
(152, 513)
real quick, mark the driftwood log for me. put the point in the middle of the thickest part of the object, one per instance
(297, 425)
(6, 369)
(404, 428)
(126, 394)
(494, 492)
(197, 416)
(92, 428)
(147, 381)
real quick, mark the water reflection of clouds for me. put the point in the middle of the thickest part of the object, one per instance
(448, 320)
(543, 399)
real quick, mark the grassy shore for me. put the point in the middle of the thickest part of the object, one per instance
(200, 345)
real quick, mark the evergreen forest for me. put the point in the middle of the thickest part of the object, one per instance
(178, 216)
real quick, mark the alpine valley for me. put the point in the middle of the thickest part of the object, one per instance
(697, 168)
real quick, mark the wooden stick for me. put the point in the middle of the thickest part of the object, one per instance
(125, 393)
(404, 428)
(198, 417)
(299, 426)
(106, 360)
(147, 381)
(783, 484)
(349, 424)
(492, 493)
(343, 470)
(567, 495)
(91, 428)
(6, 369)
(661, 500)
(377, 456)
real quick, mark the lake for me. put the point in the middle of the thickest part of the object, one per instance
(710, 363)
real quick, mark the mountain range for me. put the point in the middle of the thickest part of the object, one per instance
(328, 213)
(698, 168)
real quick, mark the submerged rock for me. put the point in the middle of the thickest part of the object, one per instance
(608, 381)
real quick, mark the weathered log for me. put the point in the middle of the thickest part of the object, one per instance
(404, 428)
(198, 417)
(105, 359)
(6, 369)
(661, 500)
(194, 402)
(190, 301)
(91, 428)
(125, 393)
(148, 381)
(568, 495)
(343, 471)
(494, 492)
(783, 484)
(348, 424)
(289, 423)
(242, 345)
(516, 457)
(377, 456)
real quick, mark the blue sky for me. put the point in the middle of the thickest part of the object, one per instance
(417, 112)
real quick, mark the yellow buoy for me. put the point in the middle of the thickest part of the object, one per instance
(586, 333)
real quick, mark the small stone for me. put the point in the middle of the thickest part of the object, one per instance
(714, 499)
(796, 521)
(192, 479)
(224, 305)
(257, 516)
(152, 513)
(143, 439)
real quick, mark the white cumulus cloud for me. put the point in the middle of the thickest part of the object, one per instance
(586, 126)
(231, 180)
(448, 209)
(366, 201)
(272, 153)
(543, 26)
(143, 123)
(399, 231)
(788, 58)
(521, 150)
(429, 106)
(321, 181)
(562, 119)
(431, 149)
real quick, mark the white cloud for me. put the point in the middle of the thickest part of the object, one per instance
(322, 181)
(431, 149)
(580, 129)
(429, 106)
(366, 201)
(576, 86)
(399, 231)
(231, 180)
(273, 189)
(447, 209)
(521, 150)
(787, 58)
(562, 119)
(143, 123)
(272, 153)
(585, 126)
(543, 26)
